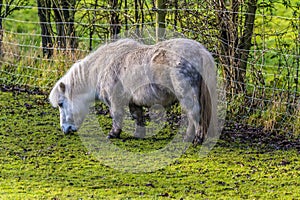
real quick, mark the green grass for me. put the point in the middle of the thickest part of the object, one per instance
(38, 162)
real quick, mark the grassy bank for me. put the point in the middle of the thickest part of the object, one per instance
(38, 162)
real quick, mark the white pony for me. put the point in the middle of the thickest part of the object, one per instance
(128, 73)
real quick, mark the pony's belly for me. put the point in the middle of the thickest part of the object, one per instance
(151, 95)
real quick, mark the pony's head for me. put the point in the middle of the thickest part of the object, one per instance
(72, 108)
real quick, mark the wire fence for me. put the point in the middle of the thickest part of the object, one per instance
(262, 80)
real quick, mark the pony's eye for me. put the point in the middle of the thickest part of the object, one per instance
(60, 104)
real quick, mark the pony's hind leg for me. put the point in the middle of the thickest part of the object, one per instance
(138, 116)
(188, 96)
(186, 80)
(117, 113)
(192, 109)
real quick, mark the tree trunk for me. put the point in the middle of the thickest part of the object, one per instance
(160, 19)
(175, 14)
(64, 12)
(126, 15)
(46, 29)
(115, 27)
(225, 46)
(71, 28)
(235, 45)
(136, 18)
(245, 44)
(1, 30)
(142, 14)
(60, 25)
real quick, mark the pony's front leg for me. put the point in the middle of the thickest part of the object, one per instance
(117, 114)
(138, 116)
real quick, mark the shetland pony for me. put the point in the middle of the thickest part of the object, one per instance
(129, 73)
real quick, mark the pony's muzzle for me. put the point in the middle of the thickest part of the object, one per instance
(67, 128)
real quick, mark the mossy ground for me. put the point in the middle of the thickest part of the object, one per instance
(38, 162)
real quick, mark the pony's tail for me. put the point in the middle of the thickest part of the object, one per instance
(205, 112)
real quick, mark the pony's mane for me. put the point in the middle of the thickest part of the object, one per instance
(82, 73)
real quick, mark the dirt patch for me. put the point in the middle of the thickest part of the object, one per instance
(18, 89)
(249, 136)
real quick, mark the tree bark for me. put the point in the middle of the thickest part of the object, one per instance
(136, 18)
(245, 44)
(115, 27)
(126, 15)
(60, 25)
(175, 14)
(235, 44)
(71, 27)
(46, 29)
(64, 17)
(225, 46)
(160, 19)
(1, 30)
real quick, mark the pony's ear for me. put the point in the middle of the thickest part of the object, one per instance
(62, 87)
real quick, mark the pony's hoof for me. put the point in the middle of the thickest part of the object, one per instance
(198, 140)
(111, 136)
(114, 133)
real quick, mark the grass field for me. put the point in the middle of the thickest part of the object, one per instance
(38, 162)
